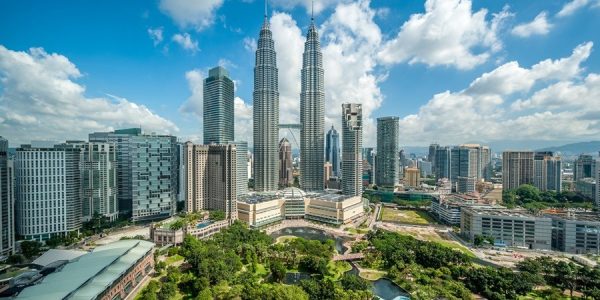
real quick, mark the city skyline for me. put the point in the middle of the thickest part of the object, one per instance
(437, 84)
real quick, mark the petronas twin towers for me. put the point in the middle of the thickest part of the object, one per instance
(266, 113)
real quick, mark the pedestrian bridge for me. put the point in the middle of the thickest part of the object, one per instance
(348, 257)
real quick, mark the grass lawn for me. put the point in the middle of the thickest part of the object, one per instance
(455, 245)
(337, 269)
(372, 275)
(173, 259)
(405, 216)
(285, 238)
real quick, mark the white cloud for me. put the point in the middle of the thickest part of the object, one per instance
(156, 35)
(571, 7)
(319, 6)
(539, 26)
(559, 106)
(194, 103)
(249, 44)
(446, 34)
(196, 14)
(186, 42)
(243, 120)
(40, 100)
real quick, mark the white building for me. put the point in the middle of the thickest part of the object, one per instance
(352, 149)
(48, 191)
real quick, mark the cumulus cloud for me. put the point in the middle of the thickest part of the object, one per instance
(571, 7)
(186, 42)
(448, 34)
(560, 105)
(40, 99)
(156, 35)
(539, 26)
(196, 14)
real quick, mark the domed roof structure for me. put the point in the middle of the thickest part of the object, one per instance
(292, 193)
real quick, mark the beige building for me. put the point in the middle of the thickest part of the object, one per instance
(210, 178)
(261, 209)
(162, 234)
(517, 169)
(412, 177)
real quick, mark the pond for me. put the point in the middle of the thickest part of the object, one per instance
(385, 289)
(311, 234)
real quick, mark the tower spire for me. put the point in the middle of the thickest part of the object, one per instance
(266, 8)
(312, 11)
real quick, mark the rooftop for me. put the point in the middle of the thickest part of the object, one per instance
(573, 215)
(91, 274)
(500, 211)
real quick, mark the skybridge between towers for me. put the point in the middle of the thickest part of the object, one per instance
(290, 127)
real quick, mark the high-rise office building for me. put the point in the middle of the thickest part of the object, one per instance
(312, 113)
(218, 107)
(266, 112)
(147, 172)
(584, 167)
(597, 176)
(368, 154)
(48, 200)
(547, 172)
(7, 201)
(442, 162)
(286, 176)
(517, 169)
(332, 150)
(99, 180)
(210, 178)
(387, 166)
(431, 156)
(121, 138)
(352, 148)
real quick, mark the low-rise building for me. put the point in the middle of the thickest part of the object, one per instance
(510, 227)
(447, 208)
(575, 232)
(262, 209)
(108, 272)
(164, 234)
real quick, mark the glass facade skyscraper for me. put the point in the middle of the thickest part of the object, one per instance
(218, 107)
(312, 117)
(7, 208)
(332, 150)
(265, 110)
(387, 165)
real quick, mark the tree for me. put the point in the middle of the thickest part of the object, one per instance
(216, 215)
(168, 290)
(354, 283)
(16, 259)
(205, 294)
(278, 271)
(30, 248)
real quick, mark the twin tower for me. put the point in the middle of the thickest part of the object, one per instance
(266, 113)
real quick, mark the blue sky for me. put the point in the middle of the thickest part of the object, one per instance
(100, 65)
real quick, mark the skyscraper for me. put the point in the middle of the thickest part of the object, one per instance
(312, 115)
(597, 176)
(7, 198)
(547, 172)
(210, 178)
(99, 180)
(387, 166)
(218, 107)
(48, 201)
(242, 167)
(442, 162)
(266, 112)
(147, 171)
(332, 150)
(517, 169)
(584, 167)
(431, 156)
(352, 149)
(286, 177)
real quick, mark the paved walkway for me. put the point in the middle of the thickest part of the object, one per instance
(349, 256)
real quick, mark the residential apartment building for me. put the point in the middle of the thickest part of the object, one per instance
(547, 172)
(351, 150)
(99, 181)
(517, 169)
(211, 178)
(48, 185)
(412, 177)
(7, 201)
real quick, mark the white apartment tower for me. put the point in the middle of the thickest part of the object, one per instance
(351, 149)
